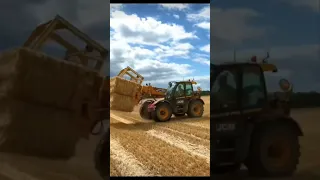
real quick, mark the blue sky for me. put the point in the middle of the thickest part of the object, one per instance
(289, 29)
(163, 42)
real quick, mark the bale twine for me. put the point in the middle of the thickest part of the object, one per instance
(123, 87)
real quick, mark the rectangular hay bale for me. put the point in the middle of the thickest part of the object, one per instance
(123, 87)
(121, 102)
(34, 130)
(38, 78)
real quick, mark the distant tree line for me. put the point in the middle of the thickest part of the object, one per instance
(205, 93)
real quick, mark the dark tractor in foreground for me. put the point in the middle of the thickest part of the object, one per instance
(180, 99)
(251, 128)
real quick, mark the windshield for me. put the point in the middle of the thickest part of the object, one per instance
(169, 90)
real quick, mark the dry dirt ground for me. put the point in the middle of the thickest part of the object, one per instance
(180, 147)
(309, 167)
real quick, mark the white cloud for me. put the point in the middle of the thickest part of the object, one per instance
(147, 45)
(206, 48)
(175, 6)
(203, 14)
(202, 18)
(202, 60)
(204, 25)
(176, 16)
(148, 31)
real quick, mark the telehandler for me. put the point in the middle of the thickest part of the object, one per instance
(250, 128)
(178, 99)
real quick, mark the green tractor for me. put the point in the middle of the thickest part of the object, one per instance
(180, 99)
(249, 127)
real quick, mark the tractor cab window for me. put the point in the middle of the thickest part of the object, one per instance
(189, 89)
(224, 90)
(179, 91)
(252, 88)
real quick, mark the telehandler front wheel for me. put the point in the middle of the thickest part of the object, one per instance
(195, 109)
(275, 151)
(162, 113)
(144, 114)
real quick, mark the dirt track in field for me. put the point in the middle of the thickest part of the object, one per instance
(180, 147)
(309, 168)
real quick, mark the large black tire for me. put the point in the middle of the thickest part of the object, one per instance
(225, 168)
(274, 151)
(162, 113)
(102, 156)
(195, 109)
(144, 114)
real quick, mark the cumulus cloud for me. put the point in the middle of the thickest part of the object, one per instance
(202, 18)
(175, 6)
(176, 16)
(149, 45)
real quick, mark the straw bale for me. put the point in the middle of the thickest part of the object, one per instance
(123, 87)
(38, 78)
(121, 102)
(34, 130)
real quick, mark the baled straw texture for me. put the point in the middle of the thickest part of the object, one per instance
(123, 87)
(121, 102)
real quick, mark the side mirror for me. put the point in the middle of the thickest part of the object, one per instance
(170, 84)
(285, 85)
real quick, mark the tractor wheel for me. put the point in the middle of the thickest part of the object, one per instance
(162, 113)
(275, 151)
(195, 109)
(144, 114)
(102, 156)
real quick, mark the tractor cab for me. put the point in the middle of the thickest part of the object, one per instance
(241, 87)
(247, 124)
(182, 89)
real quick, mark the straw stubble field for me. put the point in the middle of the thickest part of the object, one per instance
(180, 147)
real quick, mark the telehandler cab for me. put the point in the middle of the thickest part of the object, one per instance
(248, 127)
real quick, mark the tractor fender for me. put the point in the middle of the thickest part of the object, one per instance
(197, 100)
(153, 106)
(283, 120)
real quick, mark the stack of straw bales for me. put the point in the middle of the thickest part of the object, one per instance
(42, 103)
(122, 93)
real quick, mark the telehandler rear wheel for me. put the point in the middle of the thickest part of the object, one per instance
(162, 113)
(195, 109)
(144, 114)
(275, 151)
